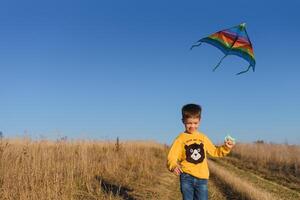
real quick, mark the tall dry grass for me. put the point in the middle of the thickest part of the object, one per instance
(31, 170)
(275, 157)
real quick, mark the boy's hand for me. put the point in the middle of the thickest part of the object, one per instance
(177, 170)
(229, 143)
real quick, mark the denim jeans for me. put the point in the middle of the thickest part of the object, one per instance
(193, 188)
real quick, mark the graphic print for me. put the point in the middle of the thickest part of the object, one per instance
(194, 153)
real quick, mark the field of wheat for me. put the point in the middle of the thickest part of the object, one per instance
(136, 170)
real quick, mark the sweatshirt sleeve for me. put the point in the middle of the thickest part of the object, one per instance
(215, 151)
(174, 154)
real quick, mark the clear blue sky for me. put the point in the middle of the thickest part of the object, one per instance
(101, 69)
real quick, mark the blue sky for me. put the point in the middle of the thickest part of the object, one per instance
(102, 69)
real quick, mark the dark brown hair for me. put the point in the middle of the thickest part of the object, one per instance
(191, 111)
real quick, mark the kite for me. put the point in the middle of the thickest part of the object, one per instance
(232, 41)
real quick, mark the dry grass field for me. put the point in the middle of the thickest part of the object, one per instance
(277, 162)
(260, 171)
(136, 170)
(80, 169)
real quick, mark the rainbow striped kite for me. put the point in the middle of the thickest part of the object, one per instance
(232, 41)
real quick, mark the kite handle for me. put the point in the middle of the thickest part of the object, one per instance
(229, 137)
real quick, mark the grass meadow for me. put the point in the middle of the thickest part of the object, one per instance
(276, 162)
(132, 170)
(36, 170)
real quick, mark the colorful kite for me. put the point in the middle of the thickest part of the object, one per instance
(232, 41)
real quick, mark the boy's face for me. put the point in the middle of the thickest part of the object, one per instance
(191, 124)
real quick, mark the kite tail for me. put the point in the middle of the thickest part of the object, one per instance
(219, 63)
(195, 45)
(245, 70)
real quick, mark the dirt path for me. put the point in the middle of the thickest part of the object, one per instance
(290, 181)
(275, 190)
(167, 186)
(255, 187)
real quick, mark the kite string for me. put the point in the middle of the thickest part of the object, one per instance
(219, 62)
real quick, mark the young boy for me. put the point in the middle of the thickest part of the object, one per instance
(188, 155)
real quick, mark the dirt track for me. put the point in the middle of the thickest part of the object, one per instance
(260, 188)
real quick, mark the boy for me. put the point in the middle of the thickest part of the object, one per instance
(187, 156)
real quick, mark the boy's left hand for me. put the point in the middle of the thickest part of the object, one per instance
(229, 143)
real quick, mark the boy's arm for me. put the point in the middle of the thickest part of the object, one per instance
(174, 154)
(214, 151)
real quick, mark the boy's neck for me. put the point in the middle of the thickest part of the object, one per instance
(187, 132)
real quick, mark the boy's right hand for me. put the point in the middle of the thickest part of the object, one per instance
(177, 170)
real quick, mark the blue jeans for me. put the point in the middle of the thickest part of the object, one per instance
(193, 188)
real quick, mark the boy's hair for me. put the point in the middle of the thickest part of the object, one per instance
(191, 111)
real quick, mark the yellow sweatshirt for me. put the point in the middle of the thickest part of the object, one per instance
(189, 150)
